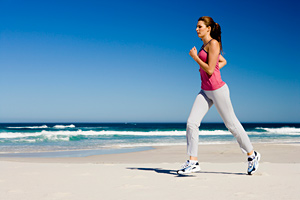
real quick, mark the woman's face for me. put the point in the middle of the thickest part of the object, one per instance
(202, 29)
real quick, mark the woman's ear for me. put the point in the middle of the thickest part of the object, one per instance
(208, 28)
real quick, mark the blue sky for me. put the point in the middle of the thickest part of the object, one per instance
(127, 61)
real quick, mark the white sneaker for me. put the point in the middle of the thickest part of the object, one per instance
(189, 167)
(253, 163)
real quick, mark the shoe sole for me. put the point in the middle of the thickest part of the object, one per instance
(192, 171)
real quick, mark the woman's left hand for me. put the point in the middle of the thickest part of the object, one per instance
(193, 53)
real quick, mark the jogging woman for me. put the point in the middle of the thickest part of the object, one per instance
(213, 91)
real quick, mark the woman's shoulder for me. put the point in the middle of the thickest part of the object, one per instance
(213, 44)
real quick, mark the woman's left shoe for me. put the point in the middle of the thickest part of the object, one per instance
(253, 163)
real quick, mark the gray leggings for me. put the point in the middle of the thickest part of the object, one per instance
(202, 104)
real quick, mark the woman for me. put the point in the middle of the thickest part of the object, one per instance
(213, 91)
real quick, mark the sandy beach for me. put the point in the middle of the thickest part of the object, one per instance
(152, 174)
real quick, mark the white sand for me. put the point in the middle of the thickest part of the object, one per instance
(152, 175)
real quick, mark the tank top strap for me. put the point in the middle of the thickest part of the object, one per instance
(206, 43)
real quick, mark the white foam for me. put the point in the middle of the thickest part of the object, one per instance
(282, 130)
(28, 140)
(66, 133)
(30, 127)
(18, 135)
(103, 132)
(64, 126)
(134, 133)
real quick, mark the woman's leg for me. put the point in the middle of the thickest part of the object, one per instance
(200, 108)
(221, 99)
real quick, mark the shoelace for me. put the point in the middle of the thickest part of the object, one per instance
(184, 165)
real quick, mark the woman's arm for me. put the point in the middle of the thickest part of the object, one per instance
(222, 61)
(213, 53)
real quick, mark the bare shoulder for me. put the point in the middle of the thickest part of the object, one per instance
(214, 45)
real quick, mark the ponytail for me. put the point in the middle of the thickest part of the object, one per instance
(216, 34)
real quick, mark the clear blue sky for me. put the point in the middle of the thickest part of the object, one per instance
(127, 61)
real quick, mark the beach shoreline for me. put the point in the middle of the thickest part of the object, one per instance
(151, 174)
(215, 153)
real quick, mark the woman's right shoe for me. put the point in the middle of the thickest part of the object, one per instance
(189, 167)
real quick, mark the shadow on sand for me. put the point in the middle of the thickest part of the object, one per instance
(174, 172)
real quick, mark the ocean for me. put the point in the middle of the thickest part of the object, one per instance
(101, 137)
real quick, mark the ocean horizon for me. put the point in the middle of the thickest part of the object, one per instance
(104, 138)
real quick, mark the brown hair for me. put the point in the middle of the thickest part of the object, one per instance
(215, 32)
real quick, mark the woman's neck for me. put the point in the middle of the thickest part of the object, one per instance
(206, 39)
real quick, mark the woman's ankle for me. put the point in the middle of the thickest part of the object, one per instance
(193, 158)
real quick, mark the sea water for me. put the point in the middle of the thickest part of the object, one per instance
(45, 137)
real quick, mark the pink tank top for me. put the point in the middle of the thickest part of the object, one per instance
(210, 82)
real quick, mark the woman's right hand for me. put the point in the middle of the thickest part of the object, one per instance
(193, 53)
